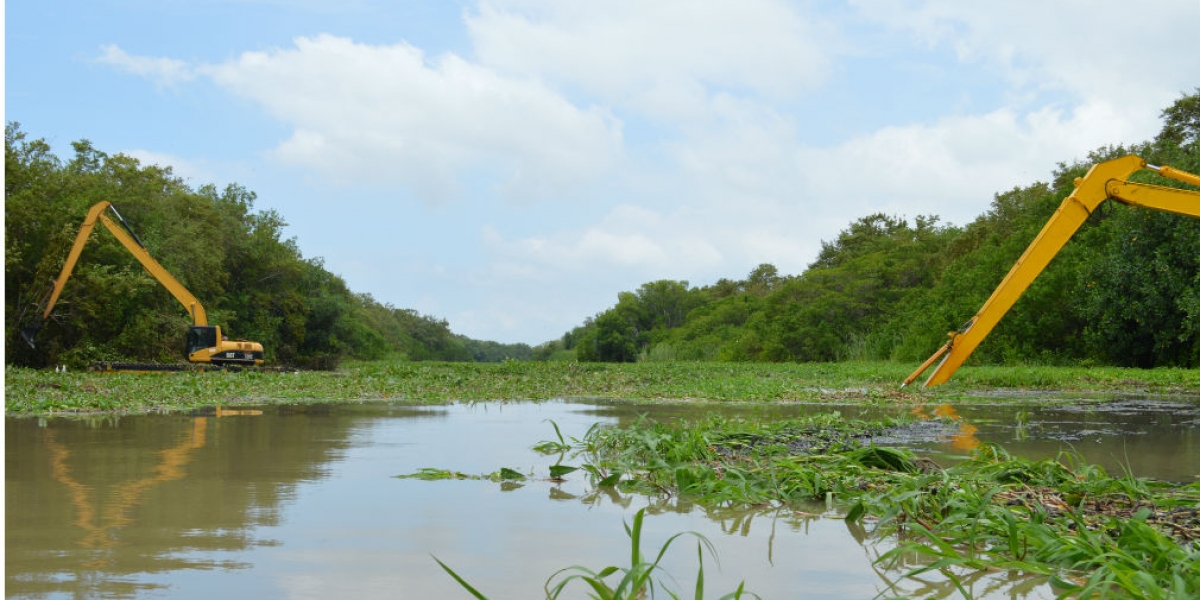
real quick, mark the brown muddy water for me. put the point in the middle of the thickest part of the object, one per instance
(302, 502)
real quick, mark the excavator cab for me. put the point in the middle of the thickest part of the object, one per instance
(200, 337)
(205, 344)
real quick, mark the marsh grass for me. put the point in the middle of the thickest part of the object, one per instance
(643, 578)
(32, 392)
(1091, 534)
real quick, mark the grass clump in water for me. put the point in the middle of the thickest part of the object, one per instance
(1091, 534)
(641, 579)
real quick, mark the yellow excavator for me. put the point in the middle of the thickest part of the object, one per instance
(1106, 180)
(206, 346)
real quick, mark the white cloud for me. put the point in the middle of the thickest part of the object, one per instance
(628, 237)
(953, 167)
(163, 71)
(1139, 58)
(661, 58)
(191, 172)
(388, 114)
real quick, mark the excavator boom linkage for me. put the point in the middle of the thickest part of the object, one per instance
(1104, 181)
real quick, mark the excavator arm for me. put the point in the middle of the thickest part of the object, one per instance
(205, 343)
(125, 235)
(1103, 181)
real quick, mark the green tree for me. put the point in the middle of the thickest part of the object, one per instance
(235, 259)
(1142, 300)
(665, 304)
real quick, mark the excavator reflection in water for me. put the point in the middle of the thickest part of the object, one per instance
(965, 438)
(102, 525)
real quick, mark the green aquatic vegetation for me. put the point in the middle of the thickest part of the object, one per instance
(1092, 378)
(432, 474)
(1062, 520)
(742, 461)
(1093, 534)
(553, 447)
(643, 578)
(558, 471)
(32, 392)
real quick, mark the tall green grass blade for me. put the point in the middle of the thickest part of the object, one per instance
(474, 592)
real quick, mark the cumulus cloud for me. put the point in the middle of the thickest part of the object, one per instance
(660, 58)
(163, 71)
(389, 114)
(722, 82)
(627, 237)
(1095, 52)
(190, 171)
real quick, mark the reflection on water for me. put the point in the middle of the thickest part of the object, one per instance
(291, 502)
(125, 496)
(964, 439)
(95, 506)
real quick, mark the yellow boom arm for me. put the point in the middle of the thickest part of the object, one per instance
(205, 343)
(1103, 181)
(135, 247)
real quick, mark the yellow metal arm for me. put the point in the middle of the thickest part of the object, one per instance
(206, 344)
(135, 247)
(1182, 202)
(1104, 180)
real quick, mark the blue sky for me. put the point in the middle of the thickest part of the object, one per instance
(512, 165)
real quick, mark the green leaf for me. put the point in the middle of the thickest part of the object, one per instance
(557, 471)
(511, 474)
(856, 512)
(610, 481)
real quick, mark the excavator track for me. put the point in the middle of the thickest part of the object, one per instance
(128, 367)
(132, 367)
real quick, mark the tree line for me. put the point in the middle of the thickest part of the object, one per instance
(254, 282)
(1125, 290)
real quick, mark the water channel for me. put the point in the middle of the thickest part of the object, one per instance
(301, 502)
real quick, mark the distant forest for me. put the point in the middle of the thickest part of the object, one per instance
(1125, 291)
(253, 282)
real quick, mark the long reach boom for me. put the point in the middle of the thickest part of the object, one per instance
(205, 343)
(1106, 180)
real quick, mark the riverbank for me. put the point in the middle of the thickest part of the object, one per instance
(38, 393)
